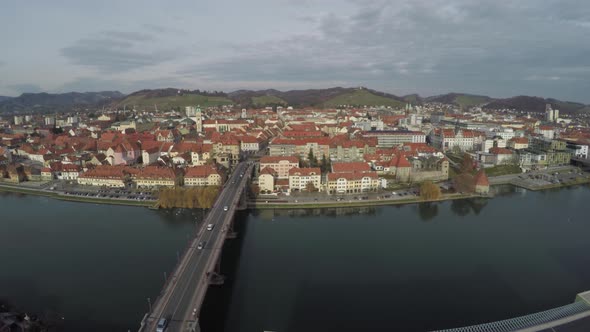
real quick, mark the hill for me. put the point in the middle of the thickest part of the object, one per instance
(47, 102)
(2, 98)
(261, 98)
(364, 97)
(167, 99)
(535, 104)
(460, 99)
(331, 97)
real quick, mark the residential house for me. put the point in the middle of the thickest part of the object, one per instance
(281, 165)
(299, 178)
(204, 175)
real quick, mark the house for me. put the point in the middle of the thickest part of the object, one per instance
(351, 167)
(155, 176)
(300, 179)
(518, 143)
(482, 184)
(281, 165)
(266, 179)
(107, 176)
(167, 135)
(348, 183)
(249, 144)
(502, 156)
(204, 175)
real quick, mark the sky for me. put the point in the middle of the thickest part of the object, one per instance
(499, 48)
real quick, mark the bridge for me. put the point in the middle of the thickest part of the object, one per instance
(183, 294)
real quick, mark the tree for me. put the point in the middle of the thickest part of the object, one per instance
(313, 161)
(326, 164)
(464, 183)
(310, 187)
(467, 163)
(429, 191)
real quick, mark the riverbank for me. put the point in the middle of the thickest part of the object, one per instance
(263, 205)
(4, 187)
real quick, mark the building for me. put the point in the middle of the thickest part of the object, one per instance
(194, 113)
(205, 175)
(266, 180)
(348, 183)
(391, 138)
(105, 176)
(299, 178)
(518, 143)
(281, 165)
(556, 151)
(448, 139)
(551, 115)
(482, 184)
(155, 176)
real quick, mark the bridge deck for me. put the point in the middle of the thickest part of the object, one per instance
(183, 294)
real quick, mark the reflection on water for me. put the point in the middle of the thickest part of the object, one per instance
(270, 215)
(427, 211)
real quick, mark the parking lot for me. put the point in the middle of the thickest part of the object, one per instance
(113, 194)
(549, 179)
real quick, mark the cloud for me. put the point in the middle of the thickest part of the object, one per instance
(25, 87)
(437, 46)
(117, 51)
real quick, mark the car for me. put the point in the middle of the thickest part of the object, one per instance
(210, 227)
(201, 245)
(225, 208)
(162, 324)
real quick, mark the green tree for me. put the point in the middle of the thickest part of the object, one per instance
(310, 187)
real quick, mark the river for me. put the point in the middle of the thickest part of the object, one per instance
(397, 268)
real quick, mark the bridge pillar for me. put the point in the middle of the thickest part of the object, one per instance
(193, 326)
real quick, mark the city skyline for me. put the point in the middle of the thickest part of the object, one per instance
(501, 49)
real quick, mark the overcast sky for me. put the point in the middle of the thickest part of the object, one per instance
(498, 48)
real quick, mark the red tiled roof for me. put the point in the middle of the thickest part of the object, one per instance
(343, 167)
(202, 171)
(351, 176)
(481, 179)
(276, 159)
(305, 171)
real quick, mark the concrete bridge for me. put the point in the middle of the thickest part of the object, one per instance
(183, 294)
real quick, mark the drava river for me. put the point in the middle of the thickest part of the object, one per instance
(399, 268)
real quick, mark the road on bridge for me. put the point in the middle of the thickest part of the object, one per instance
(185, 290)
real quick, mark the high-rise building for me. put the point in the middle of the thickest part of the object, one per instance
(18, 119)
(49, 121)
(551, 115)
(548, 113)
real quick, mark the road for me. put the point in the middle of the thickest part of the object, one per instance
(186, 288)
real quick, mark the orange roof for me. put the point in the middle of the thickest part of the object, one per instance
(344, 167)
(305, 171)
(276, 159)
(481, 179)
(351, 176)
(200, 171)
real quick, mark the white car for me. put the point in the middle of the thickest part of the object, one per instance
(210, 227)
(225, 208)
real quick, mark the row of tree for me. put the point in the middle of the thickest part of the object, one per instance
(189, 198)
(464, 181)
(312, 161)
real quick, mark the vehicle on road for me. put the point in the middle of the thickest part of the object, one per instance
(201, 245)
(162, 324)
(225, 208)
(210, 227)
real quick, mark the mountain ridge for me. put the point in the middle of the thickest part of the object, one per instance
(167, 98)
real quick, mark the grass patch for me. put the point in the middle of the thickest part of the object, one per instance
(362, 98)
(503, 170)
